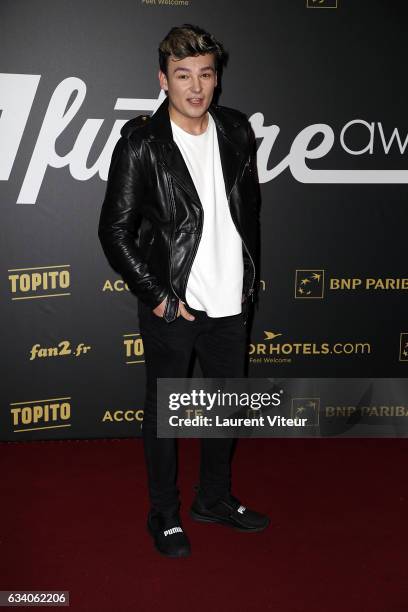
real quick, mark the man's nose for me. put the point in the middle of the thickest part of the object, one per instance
(196, 84)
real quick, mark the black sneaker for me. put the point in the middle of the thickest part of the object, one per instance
(231, 512)
(168, 535)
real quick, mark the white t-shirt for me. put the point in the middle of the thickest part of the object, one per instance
(216, 278)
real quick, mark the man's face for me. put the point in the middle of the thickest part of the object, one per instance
(190, 84)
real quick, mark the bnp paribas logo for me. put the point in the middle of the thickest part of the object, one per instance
(322, 3)
(403, 352)
(309, 284)
(306, 408)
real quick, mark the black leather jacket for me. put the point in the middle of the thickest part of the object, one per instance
(151, 218)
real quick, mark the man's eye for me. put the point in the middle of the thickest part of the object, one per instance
(182, 76)
(206, 74)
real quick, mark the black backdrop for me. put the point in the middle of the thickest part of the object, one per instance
(325, 91)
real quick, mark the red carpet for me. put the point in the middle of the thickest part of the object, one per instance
(73, 518)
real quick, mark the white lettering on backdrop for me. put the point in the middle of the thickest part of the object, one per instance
(17, 94)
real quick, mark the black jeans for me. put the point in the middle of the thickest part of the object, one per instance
(220, 345)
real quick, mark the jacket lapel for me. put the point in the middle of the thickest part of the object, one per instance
(232, 154)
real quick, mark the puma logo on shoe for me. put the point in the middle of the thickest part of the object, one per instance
(241, 509)
(172, 530)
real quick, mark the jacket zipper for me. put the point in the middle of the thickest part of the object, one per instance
(172, 234)
(251, 289)
(195, 249)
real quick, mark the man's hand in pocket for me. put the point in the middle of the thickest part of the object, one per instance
(181, 310)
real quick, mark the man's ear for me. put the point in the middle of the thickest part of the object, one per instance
(163, 80)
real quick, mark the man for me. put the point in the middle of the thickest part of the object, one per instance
(185, 179)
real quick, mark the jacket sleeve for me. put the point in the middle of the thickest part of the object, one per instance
(118, 224)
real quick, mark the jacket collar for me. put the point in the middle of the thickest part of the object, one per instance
(232, 153)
